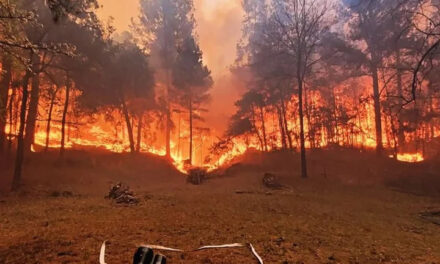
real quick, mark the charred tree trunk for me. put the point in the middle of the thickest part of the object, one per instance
(400, 130)
(129, 127)
(386, 122)
(335, 119)
(256, 129)
(49, 120)
(377, 110)
(263, 127)
(139, 133)
(281, 124)
(63, 120)
(16, 180)
(394, 133)
(11, 121)
(17, 112)
(301, 128)
(286, 126)
(4, 93)
(309, 119)
(33, 104)
(300, 81)
(431, 110)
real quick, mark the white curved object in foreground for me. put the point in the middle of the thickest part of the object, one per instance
(234, 245)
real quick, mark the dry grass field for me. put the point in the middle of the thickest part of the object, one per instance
(61, 216)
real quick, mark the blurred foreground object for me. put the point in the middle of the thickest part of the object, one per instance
(145, 255)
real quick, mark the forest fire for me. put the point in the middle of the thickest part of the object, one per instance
(261, 125)
(128, 101)
(410, 157)
(86, 137)
(106, 130)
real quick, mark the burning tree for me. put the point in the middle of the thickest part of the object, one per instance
(193, 80)
(300, 26)
(288, 34)
(123, 77)
(163, 26)
(25, 27)
(250, 118)
(377, 29)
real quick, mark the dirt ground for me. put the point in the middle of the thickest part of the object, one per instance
(318, 220)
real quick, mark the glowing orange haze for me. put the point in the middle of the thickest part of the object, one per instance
(218, 29)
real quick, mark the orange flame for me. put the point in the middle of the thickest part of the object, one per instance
(100, 131)
(410, 157)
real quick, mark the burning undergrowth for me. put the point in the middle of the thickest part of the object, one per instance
(259, 128)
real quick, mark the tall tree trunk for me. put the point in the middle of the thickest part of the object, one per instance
(4, 93)
(190, 131)
(16, 180)
(129, 127)
(286, 126)
(301, 125)
(33, 104)
(400, 130)
(281, 125)
(17, 112)
(139, 133)
(11, 121)
(335, 118)
(394, 133)
(64, 119)
(255, 128)
(431, 111)
(309, 119)
(377, 111)
(49, 120)
(263, 127)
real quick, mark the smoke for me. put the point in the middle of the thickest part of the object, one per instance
(219, 30)
(351, 3)
(120, 11)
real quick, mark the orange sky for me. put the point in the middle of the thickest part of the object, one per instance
(218, 29)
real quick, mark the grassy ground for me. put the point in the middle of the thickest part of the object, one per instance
(314, 221)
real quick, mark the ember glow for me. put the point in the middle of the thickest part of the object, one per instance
(410, 157)
(99, 133)
(106, 130)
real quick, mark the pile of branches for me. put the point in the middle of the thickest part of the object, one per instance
(122, 194)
